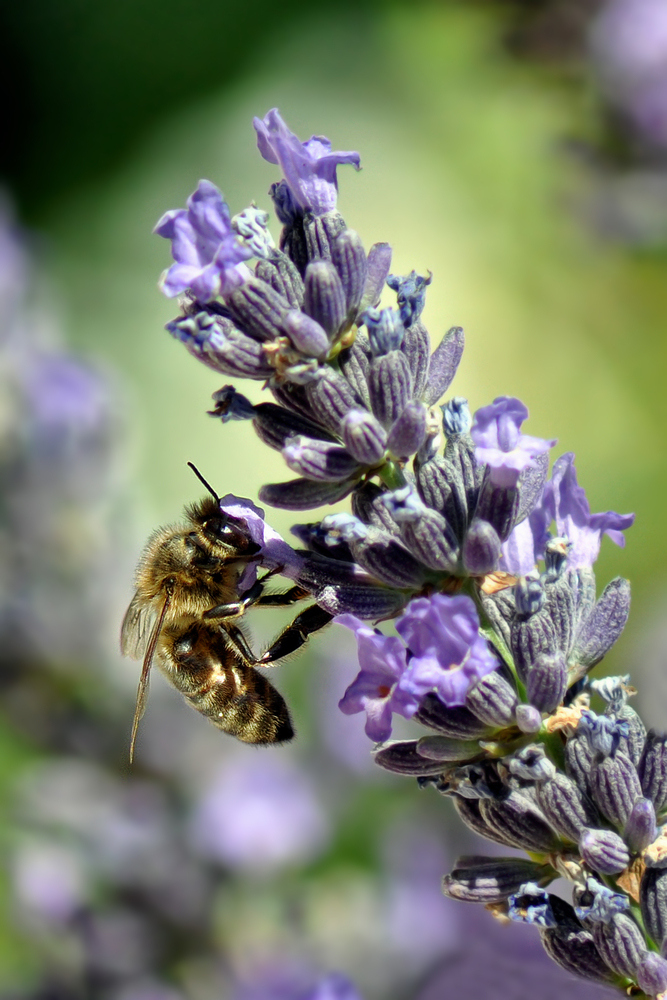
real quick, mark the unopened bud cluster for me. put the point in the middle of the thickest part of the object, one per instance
(457, 531)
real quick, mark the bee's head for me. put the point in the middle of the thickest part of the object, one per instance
(220, 528)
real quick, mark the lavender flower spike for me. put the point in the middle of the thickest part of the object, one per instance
(309, 168)
(500, 443)
(382, 660)
(567, 503)
(207, 252)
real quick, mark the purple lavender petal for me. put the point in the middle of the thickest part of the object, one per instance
(496, 431)
(309, 167)
(275, 552)
(573, 517)
(207, 252)
(382, 660)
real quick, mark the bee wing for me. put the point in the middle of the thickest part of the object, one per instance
(137, 626)
(142, 691)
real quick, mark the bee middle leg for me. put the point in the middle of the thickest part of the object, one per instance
(294, 636)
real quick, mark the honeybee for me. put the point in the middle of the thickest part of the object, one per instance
(184, 616)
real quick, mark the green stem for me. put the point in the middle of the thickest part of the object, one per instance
(392, 475)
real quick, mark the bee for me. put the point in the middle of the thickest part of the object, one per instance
(190, 595)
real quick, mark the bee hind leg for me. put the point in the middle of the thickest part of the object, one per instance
(296, 633)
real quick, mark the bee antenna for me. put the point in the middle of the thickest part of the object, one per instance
(203, 481)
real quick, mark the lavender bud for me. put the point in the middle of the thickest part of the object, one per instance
(457, 722)
(411, 294)
(349, 258)
(303, 494)
(319, 460)
(231, 405)
(368, 506)
(293, 397)
(385, 330)
(603, 627)
(417, 349)
(355, 365)
(555, 558)
(604, 851)
(566, 808)
(456, 416)
(520, 821)
(579, 757)
(330, 397)
(531, 764)
(651, 974)
(481, 548)
(442, 489)
(531, 638)
(443, 365)
(368, 601)
(283, 276)
(574, 950)
(408, 431)
(529, 596)
(499, 506)
(219, 345)
(425, 532)
(274, 425)
(598, 903)
(386, 559)
(252, 225)
(546, 682)
(379, 262)
(621, 944)
(390, 386)
(528, 719)
(321, 232)
(615, 787)
(653, 901)
(324, 297)
(492, 880)
(653, 769)
(469, 813)
(531, 485)
(258, 309)
(443, 748)
(306, 334)
(632, 742)
(493, 700)
(641, 829)
(402, 757)
(364, 436)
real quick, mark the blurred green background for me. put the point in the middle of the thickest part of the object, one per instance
(116, 113)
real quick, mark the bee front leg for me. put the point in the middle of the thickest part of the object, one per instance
(236, 608)
(296, 634)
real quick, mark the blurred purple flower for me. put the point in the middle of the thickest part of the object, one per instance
(49, 880)
(628, 43)
(259, 816)
(496, 431)
(309, 167)
(565, 502)
(447, 655)
(207, 251)
(289, 984)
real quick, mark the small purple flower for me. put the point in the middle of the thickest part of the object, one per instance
(448, 653)
(500, 443)
(565, 502)
(447, 656)
(382, 660)
(309, 168)
(207, 251)
(275, 553)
